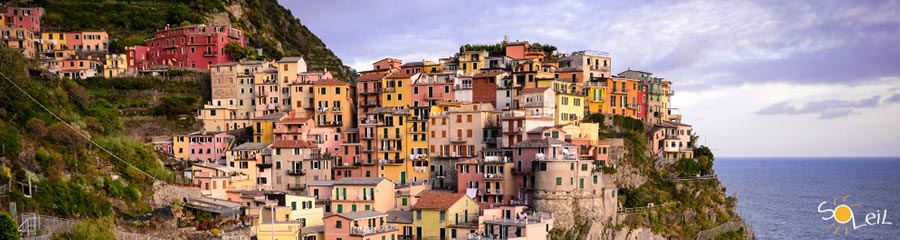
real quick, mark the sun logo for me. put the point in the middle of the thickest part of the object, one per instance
(843, 214)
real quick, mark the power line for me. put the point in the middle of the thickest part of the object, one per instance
(76, 130)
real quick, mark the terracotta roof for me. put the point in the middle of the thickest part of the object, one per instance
(251, 146)
(293, 144)
(272, 116)
(361, 215)
(359, 181)
(401, 75)
(533, 90)
(413, 64)
(488, 74)
(540, 143)
(331, 82)
(369, 77)
(290, 59)
(438, 200)
(294, 120)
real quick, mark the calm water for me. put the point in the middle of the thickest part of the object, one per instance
(779, 197)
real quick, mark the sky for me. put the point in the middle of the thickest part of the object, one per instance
(754, 78)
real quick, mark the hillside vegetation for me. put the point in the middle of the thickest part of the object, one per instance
(268, 25)
(70, 175)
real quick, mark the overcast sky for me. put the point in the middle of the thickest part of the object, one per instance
(773, 78)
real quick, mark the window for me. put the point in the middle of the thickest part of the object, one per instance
(418, 214)
(558, 181)
(293, 205)
(337, 224)
(443, 216)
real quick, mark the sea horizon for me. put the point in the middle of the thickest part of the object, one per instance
(787, 197)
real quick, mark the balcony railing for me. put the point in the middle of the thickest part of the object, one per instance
(388, 90)
(531, 104)
(296, 172)
(364, 231)
(493, 176)
(210, 54)
(296, 186)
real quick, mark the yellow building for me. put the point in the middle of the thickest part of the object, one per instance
(444, 216)
(115, 66)
(471, 62)
(403, 144)
(248, 159)
(274, 222)
(595, 98)
(263, 127)
(304, 209)
(355, 194)
(569, 108)
(334, 104)
(2, 20)
(51, 41)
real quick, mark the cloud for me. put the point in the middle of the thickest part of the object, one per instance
(826, 109)
(893, 99)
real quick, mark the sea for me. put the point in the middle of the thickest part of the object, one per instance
(780, 197)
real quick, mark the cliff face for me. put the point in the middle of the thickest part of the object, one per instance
(268, 25)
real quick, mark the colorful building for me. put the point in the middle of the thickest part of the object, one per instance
(356, 194)
(26, 18)
(490, 178)
(115, 66)
(21, 39)
(194, 46)
(441, 215)
(297, 163)
(206, 147)
(458, 131)
(362, 225)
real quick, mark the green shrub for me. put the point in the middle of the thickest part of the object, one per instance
(70, 199)
(173, 106)
(98, 228)
(8, 227)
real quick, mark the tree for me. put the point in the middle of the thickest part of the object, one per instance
(238, 52)
(8, 227)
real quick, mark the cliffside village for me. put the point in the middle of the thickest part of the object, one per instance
(479, 145)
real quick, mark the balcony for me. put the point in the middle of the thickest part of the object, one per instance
(493, 192)
(264, 164)
(296, 172)
(493, 176)
(370, 91)
(459, 140)
(365, 231)
(322, 109)
(632, 106)
(368, 136)
(618, 91)
(372, 122)
(418, 156)
(531, 104)
(390, 149)
(391, 161)
(368, 163)
(210, 54)
(515, 131)
(296, 186)
(388, 90)
(420, 169)
(370, 103)
(329, 124)
(336, 109)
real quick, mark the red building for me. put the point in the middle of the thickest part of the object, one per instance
(195, 46)
(642, 103)
(136, 58)
(484, 87)
(28, 18)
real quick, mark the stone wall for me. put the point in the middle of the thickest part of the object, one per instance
(597, 206)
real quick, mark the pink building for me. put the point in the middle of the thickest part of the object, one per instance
(359, 226)
(430, 89)
(490, 179)
(28, 18)
(199, 146)
(195, 46)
